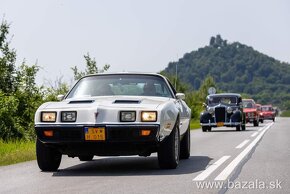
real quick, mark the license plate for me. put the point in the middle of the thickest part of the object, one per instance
(95, 133)
(220, 124)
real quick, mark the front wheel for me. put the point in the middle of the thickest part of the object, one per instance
(243, 127)
(185, 145)
(204, 128)
(256, 123)
(48, 158)
(169, 150)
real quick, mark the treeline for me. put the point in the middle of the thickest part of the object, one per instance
(236, 67)
(19, 94)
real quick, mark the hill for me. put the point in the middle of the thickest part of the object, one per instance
(236, 67)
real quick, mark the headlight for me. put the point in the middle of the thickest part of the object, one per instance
(149, 116)
(229, 110)
(68, 116)
(210, 110)
(48, 116)
(127, 116)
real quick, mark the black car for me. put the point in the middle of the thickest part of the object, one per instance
(224, 109)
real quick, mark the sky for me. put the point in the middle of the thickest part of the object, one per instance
(135, 35)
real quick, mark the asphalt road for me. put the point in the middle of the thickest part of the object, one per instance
(223, 161)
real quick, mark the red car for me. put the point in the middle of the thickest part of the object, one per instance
(268, 112)
(252, 114)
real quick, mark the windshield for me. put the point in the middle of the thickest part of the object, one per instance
(128, 85)
(248, 104)
(232, 100)
(267, 108)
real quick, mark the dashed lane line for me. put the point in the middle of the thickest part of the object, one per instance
(211, 169)
(242, 144)
(254, 134)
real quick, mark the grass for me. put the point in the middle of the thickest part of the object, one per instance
(13, 152)
(285, 113)
(194, 124)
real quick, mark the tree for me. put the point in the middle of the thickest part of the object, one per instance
(91, 68)
(7, 61)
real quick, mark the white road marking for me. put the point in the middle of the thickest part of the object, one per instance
(242, 144)
(254, 134)
(210, 169)
(229, 169)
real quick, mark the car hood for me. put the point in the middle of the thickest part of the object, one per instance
(250, 110)
(108, 101)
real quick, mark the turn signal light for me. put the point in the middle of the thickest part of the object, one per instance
(145, 132)
(48, 133)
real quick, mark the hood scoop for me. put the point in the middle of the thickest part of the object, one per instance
(127, 102)
(81, 101)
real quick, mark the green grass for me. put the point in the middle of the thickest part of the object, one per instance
(194, 124)
(12, 152)
(285, 113)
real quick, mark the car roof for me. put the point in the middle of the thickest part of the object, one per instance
(225, 94)
(125, 73)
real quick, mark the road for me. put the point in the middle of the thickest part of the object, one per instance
(223, 161)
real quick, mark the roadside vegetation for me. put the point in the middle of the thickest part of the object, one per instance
(285, 113)
(12, 152)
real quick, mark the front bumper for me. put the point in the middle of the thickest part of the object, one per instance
(119, 139)
(221, 124)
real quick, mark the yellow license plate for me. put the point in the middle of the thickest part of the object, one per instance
(95, 133)
(220, 124)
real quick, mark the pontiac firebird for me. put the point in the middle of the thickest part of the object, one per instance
(115, 115)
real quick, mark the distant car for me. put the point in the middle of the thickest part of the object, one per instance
(115, 114)
(268, 112)
(223, 110)
(261, 119)
(251, 111)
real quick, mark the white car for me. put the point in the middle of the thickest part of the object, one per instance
(112, 115)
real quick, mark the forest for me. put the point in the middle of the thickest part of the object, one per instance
(236, 67)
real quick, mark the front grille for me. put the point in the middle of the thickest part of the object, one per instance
(220, 114)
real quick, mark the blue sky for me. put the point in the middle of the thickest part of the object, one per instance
(135, 35)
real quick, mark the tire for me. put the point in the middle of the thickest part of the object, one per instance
(204, 128)
(273, 119)
(185, 145)
(238, 128)
(256, 123)
(169, 150)
(209, 129)
(86, 158)
(243, 127)
(262, 121)
(48, 159)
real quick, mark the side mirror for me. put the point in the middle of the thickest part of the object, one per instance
(180, 96)
(60, 97)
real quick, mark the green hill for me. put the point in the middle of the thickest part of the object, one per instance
(236, 67)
